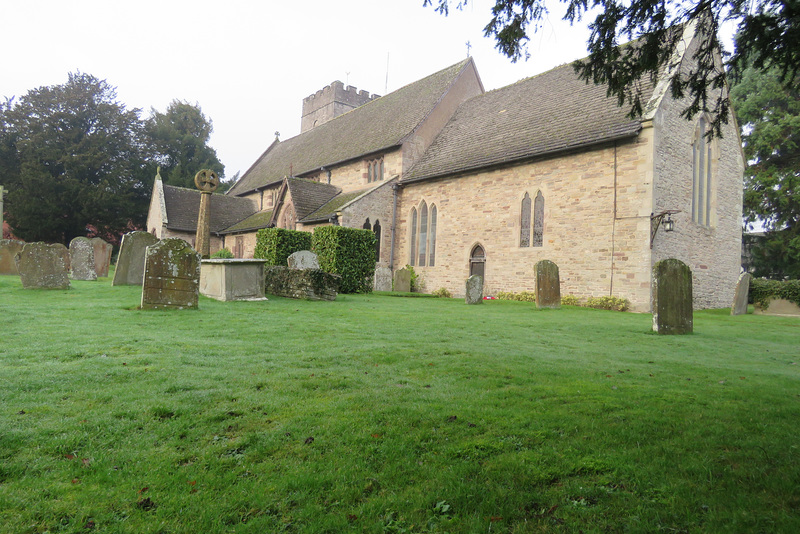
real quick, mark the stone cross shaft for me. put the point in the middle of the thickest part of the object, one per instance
(207, 182)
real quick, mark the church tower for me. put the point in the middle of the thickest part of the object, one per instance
(330, 102)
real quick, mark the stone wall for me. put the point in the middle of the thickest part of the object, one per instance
(377, 206)
(305, 284)
(597, 254)
(352, 176)
(712, 253)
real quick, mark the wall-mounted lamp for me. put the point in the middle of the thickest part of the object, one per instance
(659, 220)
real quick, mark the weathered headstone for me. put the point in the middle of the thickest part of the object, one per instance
(62, 251)
(102, 256)
(303, 259)
(402, 280)
(171, 275)
(740, 297)
(81, 259)
(8, 249)
(672, 297)
(383, 279)
(41, 266)
(548, 285)
(130, 262)
(474, 289)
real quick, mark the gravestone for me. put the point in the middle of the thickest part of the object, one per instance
(402, 280)
(62, 251)
(102, 256)
(548, 285)
(474, 289)
(81, 259)
(383, 279)
(232, 279)
(41, 266)
(171, 275)
(672, 297)
(130, 262)
(8, 249)
(740, 297)
(303, 259)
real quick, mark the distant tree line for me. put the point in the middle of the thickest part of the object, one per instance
(75, 160)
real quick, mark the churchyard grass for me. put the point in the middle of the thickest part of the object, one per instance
(389, 415)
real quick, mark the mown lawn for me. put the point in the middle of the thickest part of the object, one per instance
(387, 415)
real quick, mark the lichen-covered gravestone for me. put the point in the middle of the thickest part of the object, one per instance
(383, 279)
(41, 266)
(171, 275)
(8, 249)
(62, 251)
(402, 280)
(102, 256)
(548, 285)
(81, 259)
(303, 259)
(672, 297)
(130, 262)
(739, 306)
(474, 289)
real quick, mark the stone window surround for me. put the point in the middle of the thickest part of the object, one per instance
(704, 180)
(535, 219)
(375, 169)
(423, 254)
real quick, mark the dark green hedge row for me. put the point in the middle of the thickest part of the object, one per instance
(277, 244)
(762, 290)
(348, 252)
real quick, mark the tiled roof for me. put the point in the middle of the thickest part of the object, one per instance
(308, 195)
(547, 113)
(183, 206)
(335, 204)
(254, 222)
(377, 125)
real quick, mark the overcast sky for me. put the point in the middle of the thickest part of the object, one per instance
(249, 64)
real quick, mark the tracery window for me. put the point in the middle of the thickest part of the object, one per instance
(538, 220)
(525, 222)
(423, 233)
(376, 228)
(375, 170)
(413, 248)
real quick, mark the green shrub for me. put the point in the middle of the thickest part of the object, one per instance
(348, 252)
(763, 290)
(522, 296)
(608, 303)
(415, 282)
(277, 244)
(443, 293)
(570, 300)
(222, 254)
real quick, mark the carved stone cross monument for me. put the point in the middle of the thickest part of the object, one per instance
(207, 182)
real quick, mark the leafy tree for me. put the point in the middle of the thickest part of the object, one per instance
(769, 33)
(769, 113)
(72, 157)
(180, 139)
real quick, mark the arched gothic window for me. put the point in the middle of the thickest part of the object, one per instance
(377, 229)
(432, 237)
(702, 179)
(367, 226)
(423, 233)
(525, 222)
(413, 248)
(477, 262)
(538, 220)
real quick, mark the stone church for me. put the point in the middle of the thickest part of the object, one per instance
(455, 181)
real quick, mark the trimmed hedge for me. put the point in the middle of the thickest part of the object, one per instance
(762, 290)
(348, 252)
(277, 244)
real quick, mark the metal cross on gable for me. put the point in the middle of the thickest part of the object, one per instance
(469, 47)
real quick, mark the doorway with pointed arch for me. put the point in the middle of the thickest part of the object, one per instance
(477, 262)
